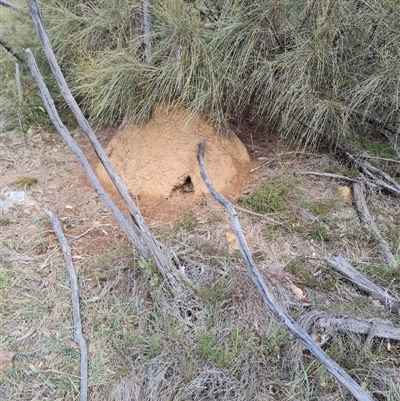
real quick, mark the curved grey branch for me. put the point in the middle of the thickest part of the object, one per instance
(275, 308)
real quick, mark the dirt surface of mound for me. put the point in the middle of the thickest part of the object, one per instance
(157, 161)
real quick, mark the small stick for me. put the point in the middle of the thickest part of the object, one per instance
(367, 220)
(281, 155)
(18, 81)
(78, 334)
(267, 296)
(330, 175)
(340, 264)
(381, 158)
(85, 232)
(260, 215)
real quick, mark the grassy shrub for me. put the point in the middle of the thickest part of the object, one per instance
(305, 65)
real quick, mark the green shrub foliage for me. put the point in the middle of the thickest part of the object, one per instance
(303, 66)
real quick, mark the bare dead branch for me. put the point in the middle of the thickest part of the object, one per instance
(78, 334)
(166, 270)
(367, 220)
(381, 158)
(340, 264)
(149, 244)
(377, 176)
(276, 309)
(345, 325)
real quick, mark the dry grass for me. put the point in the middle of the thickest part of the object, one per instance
(221, 344)
(25, 181)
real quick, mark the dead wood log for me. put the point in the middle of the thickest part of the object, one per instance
(167, 270)
(367, 220)
(324, 325)
(175, 285)
(332, 324)
(340, 264)
(275, 308)
(76, 316)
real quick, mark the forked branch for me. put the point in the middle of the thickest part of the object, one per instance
(340, 264)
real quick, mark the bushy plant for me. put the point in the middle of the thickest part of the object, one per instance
(305, 67)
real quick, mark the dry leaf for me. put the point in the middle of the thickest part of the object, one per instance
(5, 360)
(231, 240)
(345, 191)
(298, 292)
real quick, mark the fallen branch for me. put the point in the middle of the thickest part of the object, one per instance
(329, 324)
(323, 325)
(367, 220)
(78, 334)
(381, 158)
(340, 264)
(276, 309)
(149, 244)
(278, 156)
(168, 275)
(85, 232)
(378, 177)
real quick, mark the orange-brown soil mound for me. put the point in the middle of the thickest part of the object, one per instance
(158, 160)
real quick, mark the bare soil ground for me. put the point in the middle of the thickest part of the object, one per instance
(223, 344)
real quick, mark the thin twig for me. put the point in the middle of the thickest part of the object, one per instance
(275, 308)
(84, 233)
(381, 158)
(78, 334)
(330, 175)
(278, 156)
(260, 215)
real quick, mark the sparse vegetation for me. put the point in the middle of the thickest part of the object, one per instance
(25, 181)
(271, 197)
